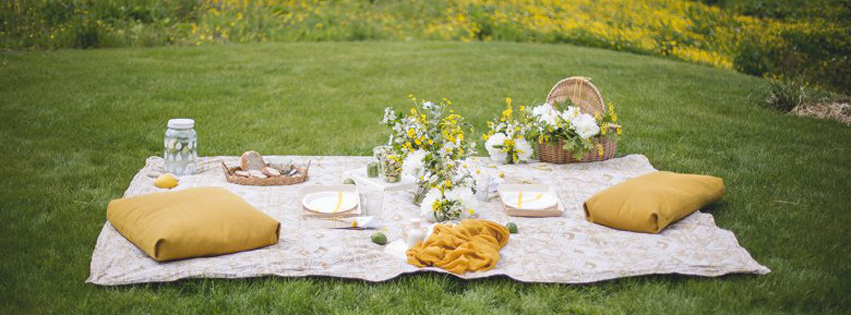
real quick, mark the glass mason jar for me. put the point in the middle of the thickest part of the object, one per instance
(181, 147)
(379, 153)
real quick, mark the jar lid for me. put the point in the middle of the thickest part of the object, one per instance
(181, 123)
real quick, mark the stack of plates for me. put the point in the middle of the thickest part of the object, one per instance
(530, 200)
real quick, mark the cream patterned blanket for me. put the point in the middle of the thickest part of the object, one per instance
(568, 249)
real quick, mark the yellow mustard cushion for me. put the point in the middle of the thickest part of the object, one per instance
(648, 203)
(472, 245)
(192, 222)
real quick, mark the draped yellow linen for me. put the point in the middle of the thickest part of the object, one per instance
(472, 245)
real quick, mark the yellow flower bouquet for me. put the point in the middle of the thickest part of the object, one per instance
(432, 141)
(506, 141)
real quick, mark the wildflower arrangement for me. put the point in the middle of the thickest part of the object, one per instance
(577, 130)
(506, 142)
(431, 139)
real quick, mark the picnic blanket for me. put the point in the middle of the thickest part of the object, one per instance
(567, 249)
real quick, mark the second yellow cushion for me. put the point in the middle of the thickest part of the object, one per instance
(648, 203)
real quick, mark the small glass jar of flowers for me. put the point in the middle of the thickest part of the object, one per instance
(506, 141)
(391, 168)
(431, 140)
(585, 136)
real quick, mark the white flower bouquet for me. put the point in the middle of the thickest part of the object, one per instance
(448, 204)
(580, 133)
(506, 141)
(433, 146)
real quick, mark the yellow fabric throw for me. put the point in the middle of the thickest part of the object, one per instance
(648, 203)
(192, 222)
(472, 245)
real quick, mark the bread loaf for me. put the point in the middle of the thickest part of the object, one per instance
(242, 173)
(271, 172)
(251, 160)
(257, 174)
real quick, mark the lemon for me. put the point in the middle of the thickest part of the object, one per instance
(165, 181)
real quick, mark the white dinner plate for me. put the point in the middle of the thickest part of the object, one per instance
(531, 200)
(330, 201)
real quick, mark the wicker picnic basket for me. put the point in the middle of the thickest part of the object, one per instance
(585, 95)
(299, 177)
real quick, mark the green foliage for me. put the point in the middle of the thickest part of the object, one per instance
(785, 94)
(835, 10)
(752, 57)
(822, 55)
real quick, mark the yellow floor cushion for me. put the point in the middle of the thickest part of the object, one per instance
(192, 222)
(650, 202)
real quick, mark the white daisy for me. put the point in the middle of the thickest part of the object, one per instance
(495, 153)
(523, 149)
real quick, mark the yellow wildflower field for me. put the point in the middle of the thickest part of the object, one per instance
(686, 30)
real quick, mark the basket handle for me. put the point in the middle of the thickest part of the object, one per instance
(576, 87)
(225, 167)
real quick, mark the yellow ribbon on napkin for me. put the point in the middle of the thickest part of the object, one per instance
(339, 201)
(472, 245)
(520, 199)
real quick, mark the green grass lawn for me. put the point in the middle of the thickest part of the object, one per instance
(76, 126)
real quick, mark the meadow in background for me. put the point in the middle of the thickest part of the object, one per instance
(785, 38)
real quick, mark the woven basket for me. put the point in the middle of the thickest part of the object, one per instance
(553, 152)
(585, 95)
(299, 177)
